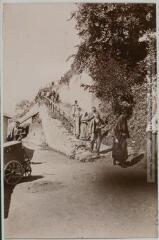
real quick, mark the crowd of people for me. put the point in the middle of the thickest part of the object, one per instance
(49, 93)
(88, 126)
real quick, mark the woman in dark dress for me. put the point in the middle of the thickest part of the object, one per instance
(121, 133)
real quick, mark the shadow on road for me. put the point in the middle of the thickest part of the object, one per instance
(124, 180)
(8, 192)
(134, 160)
(31, 178)
(106, 151)
(36, 163)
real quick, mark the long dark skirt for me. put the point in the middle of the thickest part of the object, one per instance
(120, 151)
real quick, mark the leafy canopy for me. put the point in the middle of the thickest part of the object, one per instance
(110, 49)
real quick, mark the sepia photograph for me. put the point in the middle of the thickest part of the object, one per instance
(79, 125)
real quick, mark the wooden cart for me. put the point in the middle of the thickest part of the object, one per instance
(17, 162)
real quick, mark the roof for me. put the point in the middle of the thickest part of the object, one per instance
(32, 112)
(11, 143)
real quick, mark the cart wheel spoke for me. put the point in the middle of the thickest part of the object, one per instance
(7, 174)
(17, 174)
(9, 178)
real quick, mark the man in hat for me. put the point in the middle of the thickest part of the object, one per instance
(96, 126)
(75, 107)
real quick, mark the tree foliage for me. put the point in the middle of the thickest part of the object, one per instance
(66, 77)
(22, 107)
(110, 49)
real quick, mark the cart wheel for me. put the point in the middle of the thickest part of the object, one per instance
(13, 172)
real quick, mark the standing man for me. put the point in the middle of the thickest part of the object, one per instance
(92, 113)
(75, 117)
(77, 122)
(95, 130)
(74, 108)
(91, 116)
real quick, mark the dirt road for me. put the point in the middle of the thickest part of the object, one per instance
(68, 199)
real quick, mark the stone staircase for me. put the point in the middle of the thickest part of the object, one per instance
(57, 112)
(58, 129)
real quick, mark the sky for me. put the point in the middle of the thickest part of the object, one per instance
(37, 40)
